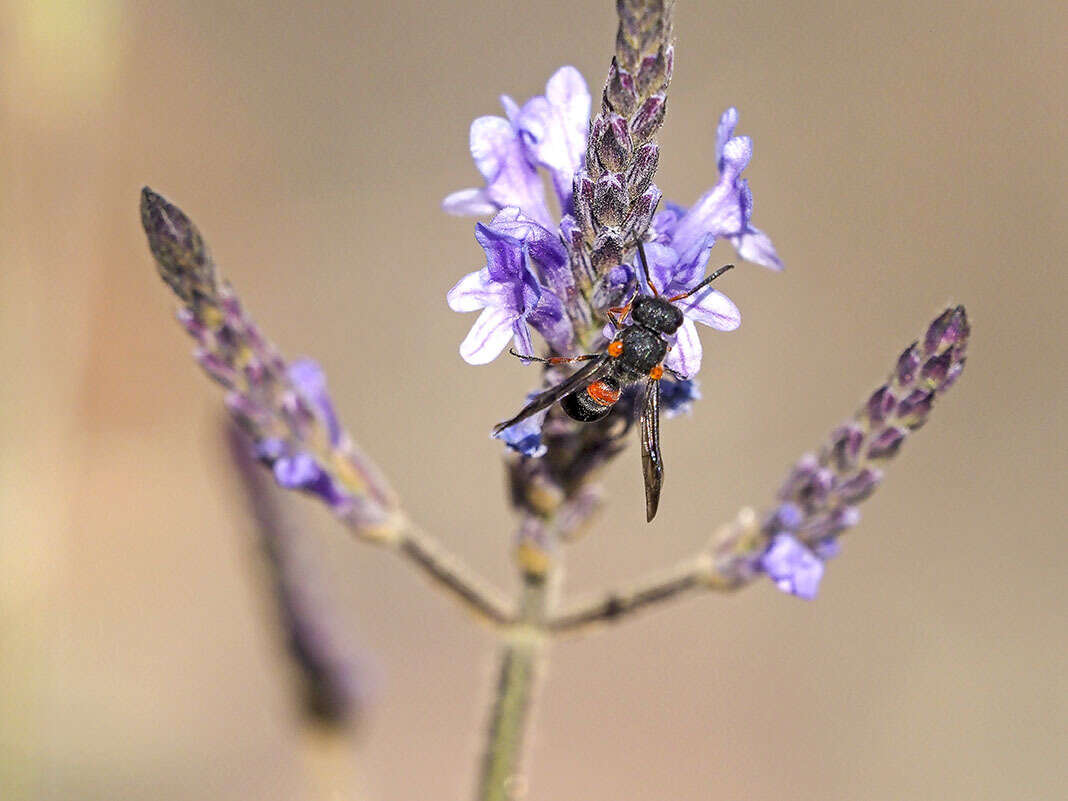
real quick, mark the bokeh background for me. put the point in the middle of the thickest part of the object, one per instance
(907, 155)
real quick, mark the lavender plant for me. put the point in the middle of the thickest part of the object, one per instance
(566, 268)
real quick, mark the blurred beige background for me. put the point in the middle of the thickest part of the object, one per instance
(907, 155)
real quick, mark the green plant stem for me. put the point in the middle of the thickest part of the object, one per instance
(522, 653)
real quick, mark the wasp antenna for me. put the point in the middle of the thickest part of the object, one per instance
(704, 283)
(524, 357)
(645, 269)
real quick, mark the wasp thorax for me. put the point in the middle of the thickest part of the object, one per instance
(656, 313)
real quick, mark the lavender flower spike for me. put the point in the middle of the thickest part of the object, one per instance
(818, 500)
(284, 407)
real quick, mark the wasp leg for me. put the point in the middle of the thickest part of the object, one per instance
(553, 359)
(617, 314)
(676, 375)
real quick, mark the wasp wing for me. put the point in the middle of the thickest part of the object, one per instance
(652, 462)
(577, 379)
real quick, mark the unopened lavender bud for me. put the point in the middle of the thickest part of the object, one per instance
(936, 369)
(181, 255)
(640, 174)
(216, 368)
(952, 375)
(643, 209)
(582, 200)
(858, 487)
(251, 415)
(649, 118)
(814, 492)
(612, 142)
(879, 405)
(607, 251)
(619, 90)
(827, 525)
(948, 329)
(655, 71)
(913, 410)
(886, 444)
(845, 446)
(610, 199)
(908, 365)
(785, 517)
(799, 476)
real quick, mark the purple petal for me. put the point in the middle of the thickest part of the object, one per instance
(521, 337)
(689, 273)
(303, 472)
(737, 152)
(792, 566)
(488, 336)
(309, 381)
(297, 472)
(713, 308)
(718, 212)
(665, 221)
(472, 202)
(677, 397)
(662, 263)
(549, 318)
(511, 180)
(545, 248)
(724, 131)
(685, 356)
(473, 292)
(505, 263)
(525, 436)
(755, 246)
(554, 128)
(511, 108)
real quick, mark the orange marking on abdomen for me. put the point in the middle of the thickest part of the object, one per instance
(615, 348)
(603, 393)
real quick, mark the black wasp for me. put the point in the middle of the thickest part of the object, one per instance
(635, 354)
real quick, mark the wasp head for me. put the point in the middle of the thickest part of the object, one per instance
(656, 313)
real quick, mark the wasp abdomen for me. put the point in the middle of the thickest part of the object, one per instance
(592, 402)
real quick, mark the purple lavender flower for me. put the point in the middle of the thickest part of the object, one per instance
(677, 397)
(725, 210)
(548, 131)
(525, 436)
(793, 567)
(551, 131)
(509, 290)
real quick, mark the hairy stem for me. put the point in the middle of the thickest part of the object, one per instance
(522, 653)
(447, 572)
